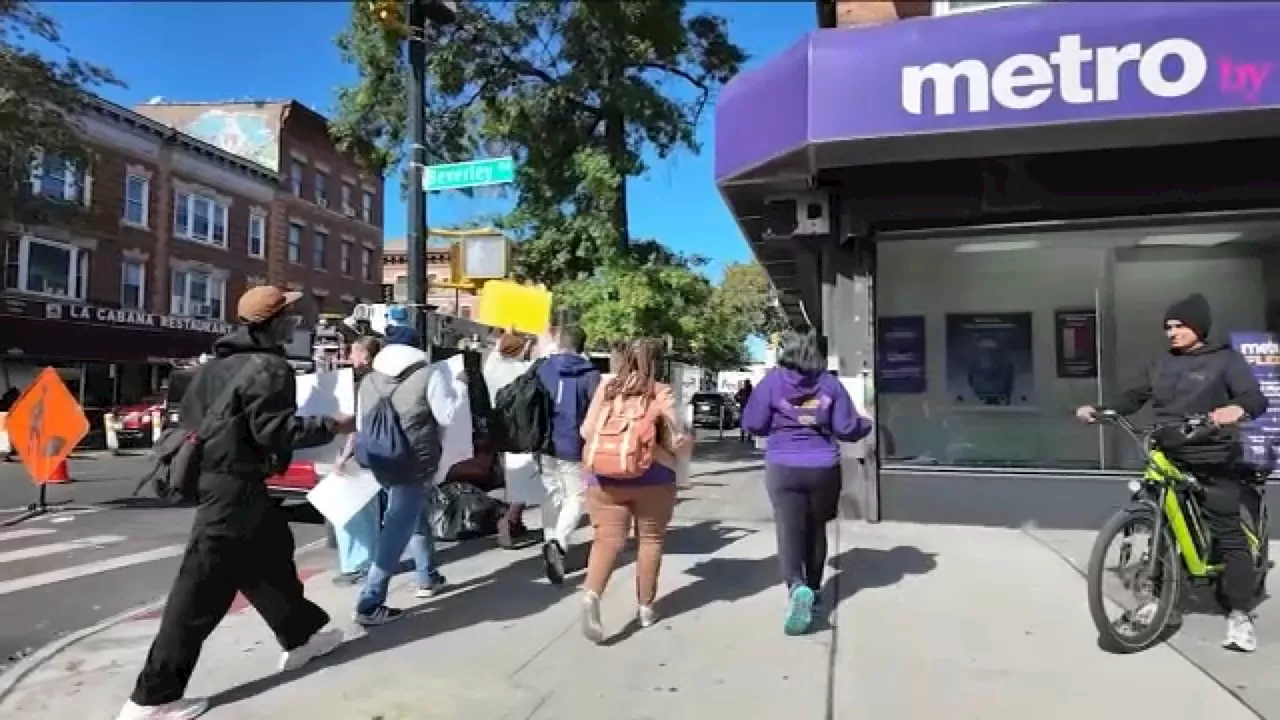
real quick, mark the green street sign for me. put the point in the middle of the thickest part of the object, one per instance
(476, 173)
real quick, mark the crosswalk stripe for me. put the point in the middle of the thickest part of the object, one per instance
(25, 533)
(8, 587)
(59, 547)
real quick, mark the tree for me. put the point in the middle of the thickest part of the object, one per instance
(746, 293)
(40, 100)
(575, 90)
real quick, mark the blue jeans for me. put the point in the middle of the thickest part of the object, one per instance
(357, 538)
(401, 521)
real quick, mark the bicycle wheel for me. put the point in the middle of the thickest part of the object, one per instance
(1141, 623)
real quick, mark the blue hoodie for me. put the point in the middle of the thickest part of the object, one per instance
(571, 379)
(804, 417)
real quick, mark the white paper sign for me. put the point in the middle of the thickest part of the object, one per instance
(340, 495)
(321, 395)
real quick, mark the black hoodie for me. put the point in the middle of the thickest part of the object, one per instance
(256, 436)
(1193, 382)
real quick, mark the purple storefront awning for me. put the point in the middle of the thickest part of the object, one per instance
(1040, 65)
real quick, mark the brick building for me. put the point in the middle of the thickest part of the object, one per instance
(395, 278)
(166, 231)
(325, 236)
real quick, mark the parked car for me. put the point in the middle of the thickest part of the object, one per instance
(715, 410)
(134, 422)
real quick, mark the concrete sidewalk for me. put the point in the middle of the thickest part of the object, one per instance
(932, 621)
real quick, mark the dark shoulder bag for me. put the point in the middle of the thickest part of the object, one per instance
(176, 455)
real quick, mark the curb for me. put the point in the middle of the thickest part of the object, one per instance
(14, 676)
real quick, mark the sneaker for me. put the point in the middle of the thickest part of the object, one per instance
(433, 588)
(184, 709)
(320, 644)
(647, 616)
(591, 626)
(1240, 634)
(799, 611)
(381, 615)
(553, 559)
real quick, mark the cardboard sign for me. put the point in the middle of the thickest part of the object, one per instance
(45, 425)
(509, 305)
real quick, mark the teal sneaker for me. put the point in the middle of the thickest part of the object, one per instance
(799, 611)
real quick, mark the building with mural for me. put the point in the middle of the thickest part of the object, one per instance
(326, 221)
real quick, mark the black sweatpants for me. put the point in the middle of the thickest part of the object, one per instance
(257, 563)
(804, 501)
(1221, 510)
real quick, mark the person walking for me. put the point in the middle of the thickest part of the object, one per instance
(742, 397)
(571, 380)
(805, 413)
(508, 361)
(355, 539)
(240, 540)
(401, 375)
(647, 500)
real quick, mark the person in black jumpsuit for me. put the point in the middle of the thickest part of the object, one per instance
(1194, 378)
(240, 541)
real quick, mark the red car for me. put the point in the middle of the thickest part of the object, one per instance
(134, 423)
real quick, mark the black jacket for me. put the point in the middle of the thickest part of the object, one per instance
(257, 436)
(1194, 382)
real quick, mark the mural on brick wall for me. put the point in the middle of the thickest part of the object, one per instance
(246, 133)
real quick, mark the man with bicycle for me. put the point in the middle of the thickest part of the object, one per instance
(1194, 378)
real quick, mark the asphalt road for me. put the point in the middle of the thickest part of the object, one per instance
(108, 554)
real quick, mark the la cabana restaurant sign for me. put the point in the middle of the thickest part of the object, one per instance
(134, 319)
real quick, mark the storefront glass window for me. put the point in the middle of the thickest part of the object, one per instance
(985, 346)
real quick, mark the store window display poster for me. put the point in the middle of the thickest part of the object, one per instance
(990, 360)
(1262, 351)
(1076, 340)
(900, 355)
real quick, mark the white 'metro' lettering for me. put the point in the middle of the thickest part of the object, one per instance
(1027, 81)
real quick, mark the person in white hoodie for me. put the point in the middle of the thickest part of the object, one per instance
(520, 470)
(426, 399)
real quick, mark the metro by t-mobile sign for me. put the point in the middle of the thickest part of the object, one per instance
(1079, 75)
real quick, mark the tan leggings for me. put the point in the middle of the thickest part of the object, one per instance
(612, 510)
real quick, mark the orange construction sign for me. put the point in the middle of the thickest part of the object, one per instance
(45, 425)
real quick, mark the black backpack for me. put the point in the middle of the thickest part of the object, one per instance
(522, 412)
(175, 472)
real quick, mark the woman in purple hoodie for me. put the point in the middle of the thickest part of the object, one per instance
(805, 413)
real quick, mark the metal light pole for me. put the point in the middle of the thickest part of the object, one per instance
(419, 14)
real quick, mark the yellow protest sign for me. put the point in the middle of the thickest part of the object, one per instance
(505, 304)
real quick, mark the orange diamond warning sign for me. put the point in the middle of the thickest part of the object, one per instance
(45, 425)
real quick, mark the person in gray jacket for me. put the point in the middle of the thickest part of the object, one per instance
(401, 373)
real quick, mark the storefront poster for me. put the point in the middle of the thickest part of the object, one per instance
(989, 360)
(1262, 351)
(900, 355)
(1076, 338)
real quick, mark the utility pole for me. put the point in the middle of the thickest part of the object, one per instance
(420, 14)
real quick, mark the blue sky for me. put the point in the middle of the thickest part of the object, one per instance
(207, 51)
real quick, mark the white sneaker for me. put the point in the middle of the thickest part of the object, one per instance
(1240, 634)
(184, 709)
(591, 625)
(322, 643)
(647, 616)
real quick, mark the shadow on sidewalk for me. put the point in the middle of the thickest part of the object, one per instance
(509, 594)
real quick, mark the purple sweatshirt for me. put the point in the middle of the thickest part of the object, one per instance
(804, 417)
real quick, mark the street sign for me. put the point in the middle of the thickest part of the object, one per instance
(45, 424)
(476, 173)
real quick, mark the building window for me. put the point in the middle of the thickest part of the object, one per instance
(257, 235)
(366, 207)
(322, 189)
(197, 294)
(133, 284)
(348, 200)
(55, 178)
(200, 218)
(344, 258)
(318, 250)
(295, 178)
(465, 312)
(294, 246)
(137, 197)
(45, 267)
(401, 292)
(366, 264)
(954, 7)
(318, 299)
